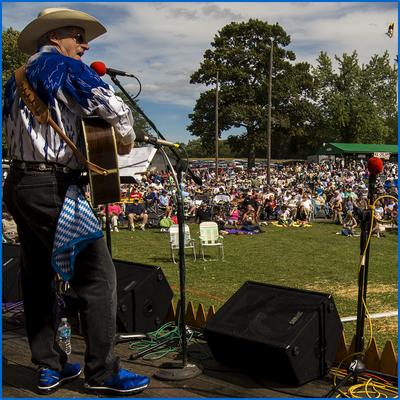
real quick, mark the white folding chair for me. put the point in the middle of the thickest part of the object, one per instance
(189, 243)
(210, 237)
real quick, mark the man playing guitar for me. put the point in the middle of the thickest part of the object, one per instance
(43, 167)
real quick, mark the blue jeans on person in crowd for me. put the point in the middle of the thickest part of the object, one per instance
(35, 199)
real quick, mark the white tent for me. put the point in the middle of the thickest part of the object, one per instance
(136, 162)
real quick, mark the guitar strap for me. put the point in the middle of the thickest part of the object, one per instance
(42, 115)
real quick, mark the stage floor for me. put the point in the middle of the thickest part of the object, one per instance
(19, 374)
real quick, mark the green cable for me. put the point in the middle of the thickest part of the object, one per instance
(168, 331)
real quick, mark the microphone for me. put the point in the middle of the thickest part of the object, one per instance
(142, 137)
(375, 167)
(101, 70)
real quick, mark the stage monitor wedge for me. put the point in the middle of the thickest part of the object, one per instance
(282, 334)
(144, 297)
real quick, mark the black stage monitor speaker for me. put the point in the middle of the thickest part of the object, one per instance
(144, 297)
(11, 288)
(281, 334)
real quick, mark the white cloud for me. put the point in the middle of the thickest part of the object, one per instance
(167, 40)
(163, 43)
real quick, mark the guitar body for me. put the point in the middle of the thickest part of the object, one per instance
(101, 149)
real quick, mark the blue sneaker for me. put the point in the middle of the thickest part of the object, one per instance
(123, 383)
(50, 380)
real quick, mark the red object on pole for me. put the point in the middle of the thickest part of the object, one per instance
(375, 166)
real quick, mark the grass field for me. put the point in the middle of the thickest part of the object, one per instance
(309, 258)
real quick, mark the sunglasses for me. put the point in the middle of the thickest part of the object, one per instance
(79, 38)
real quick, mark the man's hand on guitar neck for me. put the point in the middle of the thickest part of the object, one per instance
(123, 149)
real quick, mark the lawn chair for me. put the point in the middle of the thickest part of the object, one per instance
(209, 237)
(174, 240)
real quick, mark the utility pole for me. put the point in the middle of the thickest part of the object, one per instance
(269, 115)
(390, 33)
(216, 127)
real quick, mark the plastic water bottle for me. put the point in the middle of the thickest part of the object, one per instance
(64, 335)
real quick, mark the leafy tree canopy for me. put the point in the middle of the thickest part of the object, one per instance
(241, 53)
(356, 103)
(12, 56)
(310, 105)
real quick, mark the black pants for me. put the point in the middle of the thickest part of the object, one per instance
(35, 199)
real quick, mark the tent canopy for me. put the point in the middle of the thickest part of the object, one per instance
(357, 148)
(137, 161)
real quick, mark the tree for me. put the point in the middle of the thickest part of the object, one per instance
(241, 54)
(13, 57)
(356, 104)
(195, 148)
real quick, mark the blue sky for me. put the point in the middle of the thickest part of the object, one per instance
(163, 43)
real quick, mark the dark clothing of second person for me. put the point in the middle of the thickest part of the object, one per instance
(203, 215)
(137, 209)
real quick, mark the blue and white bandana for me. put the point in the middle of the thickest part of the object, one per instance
(77, 226)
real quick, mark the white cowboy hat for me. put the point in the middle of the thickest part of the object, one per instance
(50, 19)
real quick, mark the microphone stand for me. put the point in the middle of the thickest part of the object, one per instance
(366, 222)
(174, 370)
(108, 229)
(357, 366)
(114, 78)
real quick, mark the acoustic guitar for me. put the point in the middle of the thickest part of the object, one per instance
(101, 149)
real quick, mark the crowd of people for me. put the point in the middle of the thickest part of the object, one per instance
(242, 200)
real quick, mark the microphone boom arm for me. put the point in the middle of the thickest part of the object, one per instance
(152, 125)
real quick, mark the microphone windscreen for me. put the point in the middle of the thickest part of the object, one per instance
(375, 166)
(99, 67)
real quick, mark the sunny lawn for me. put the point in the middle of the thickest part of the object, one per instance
(311, 258)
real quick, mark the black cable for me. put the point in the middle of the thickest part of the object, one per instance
(136, 106)
(153, 348)
(187, 158)
(140, 88)
(16, 306)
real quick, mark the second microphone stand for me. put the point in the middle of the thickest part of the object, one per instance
(184, 369)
